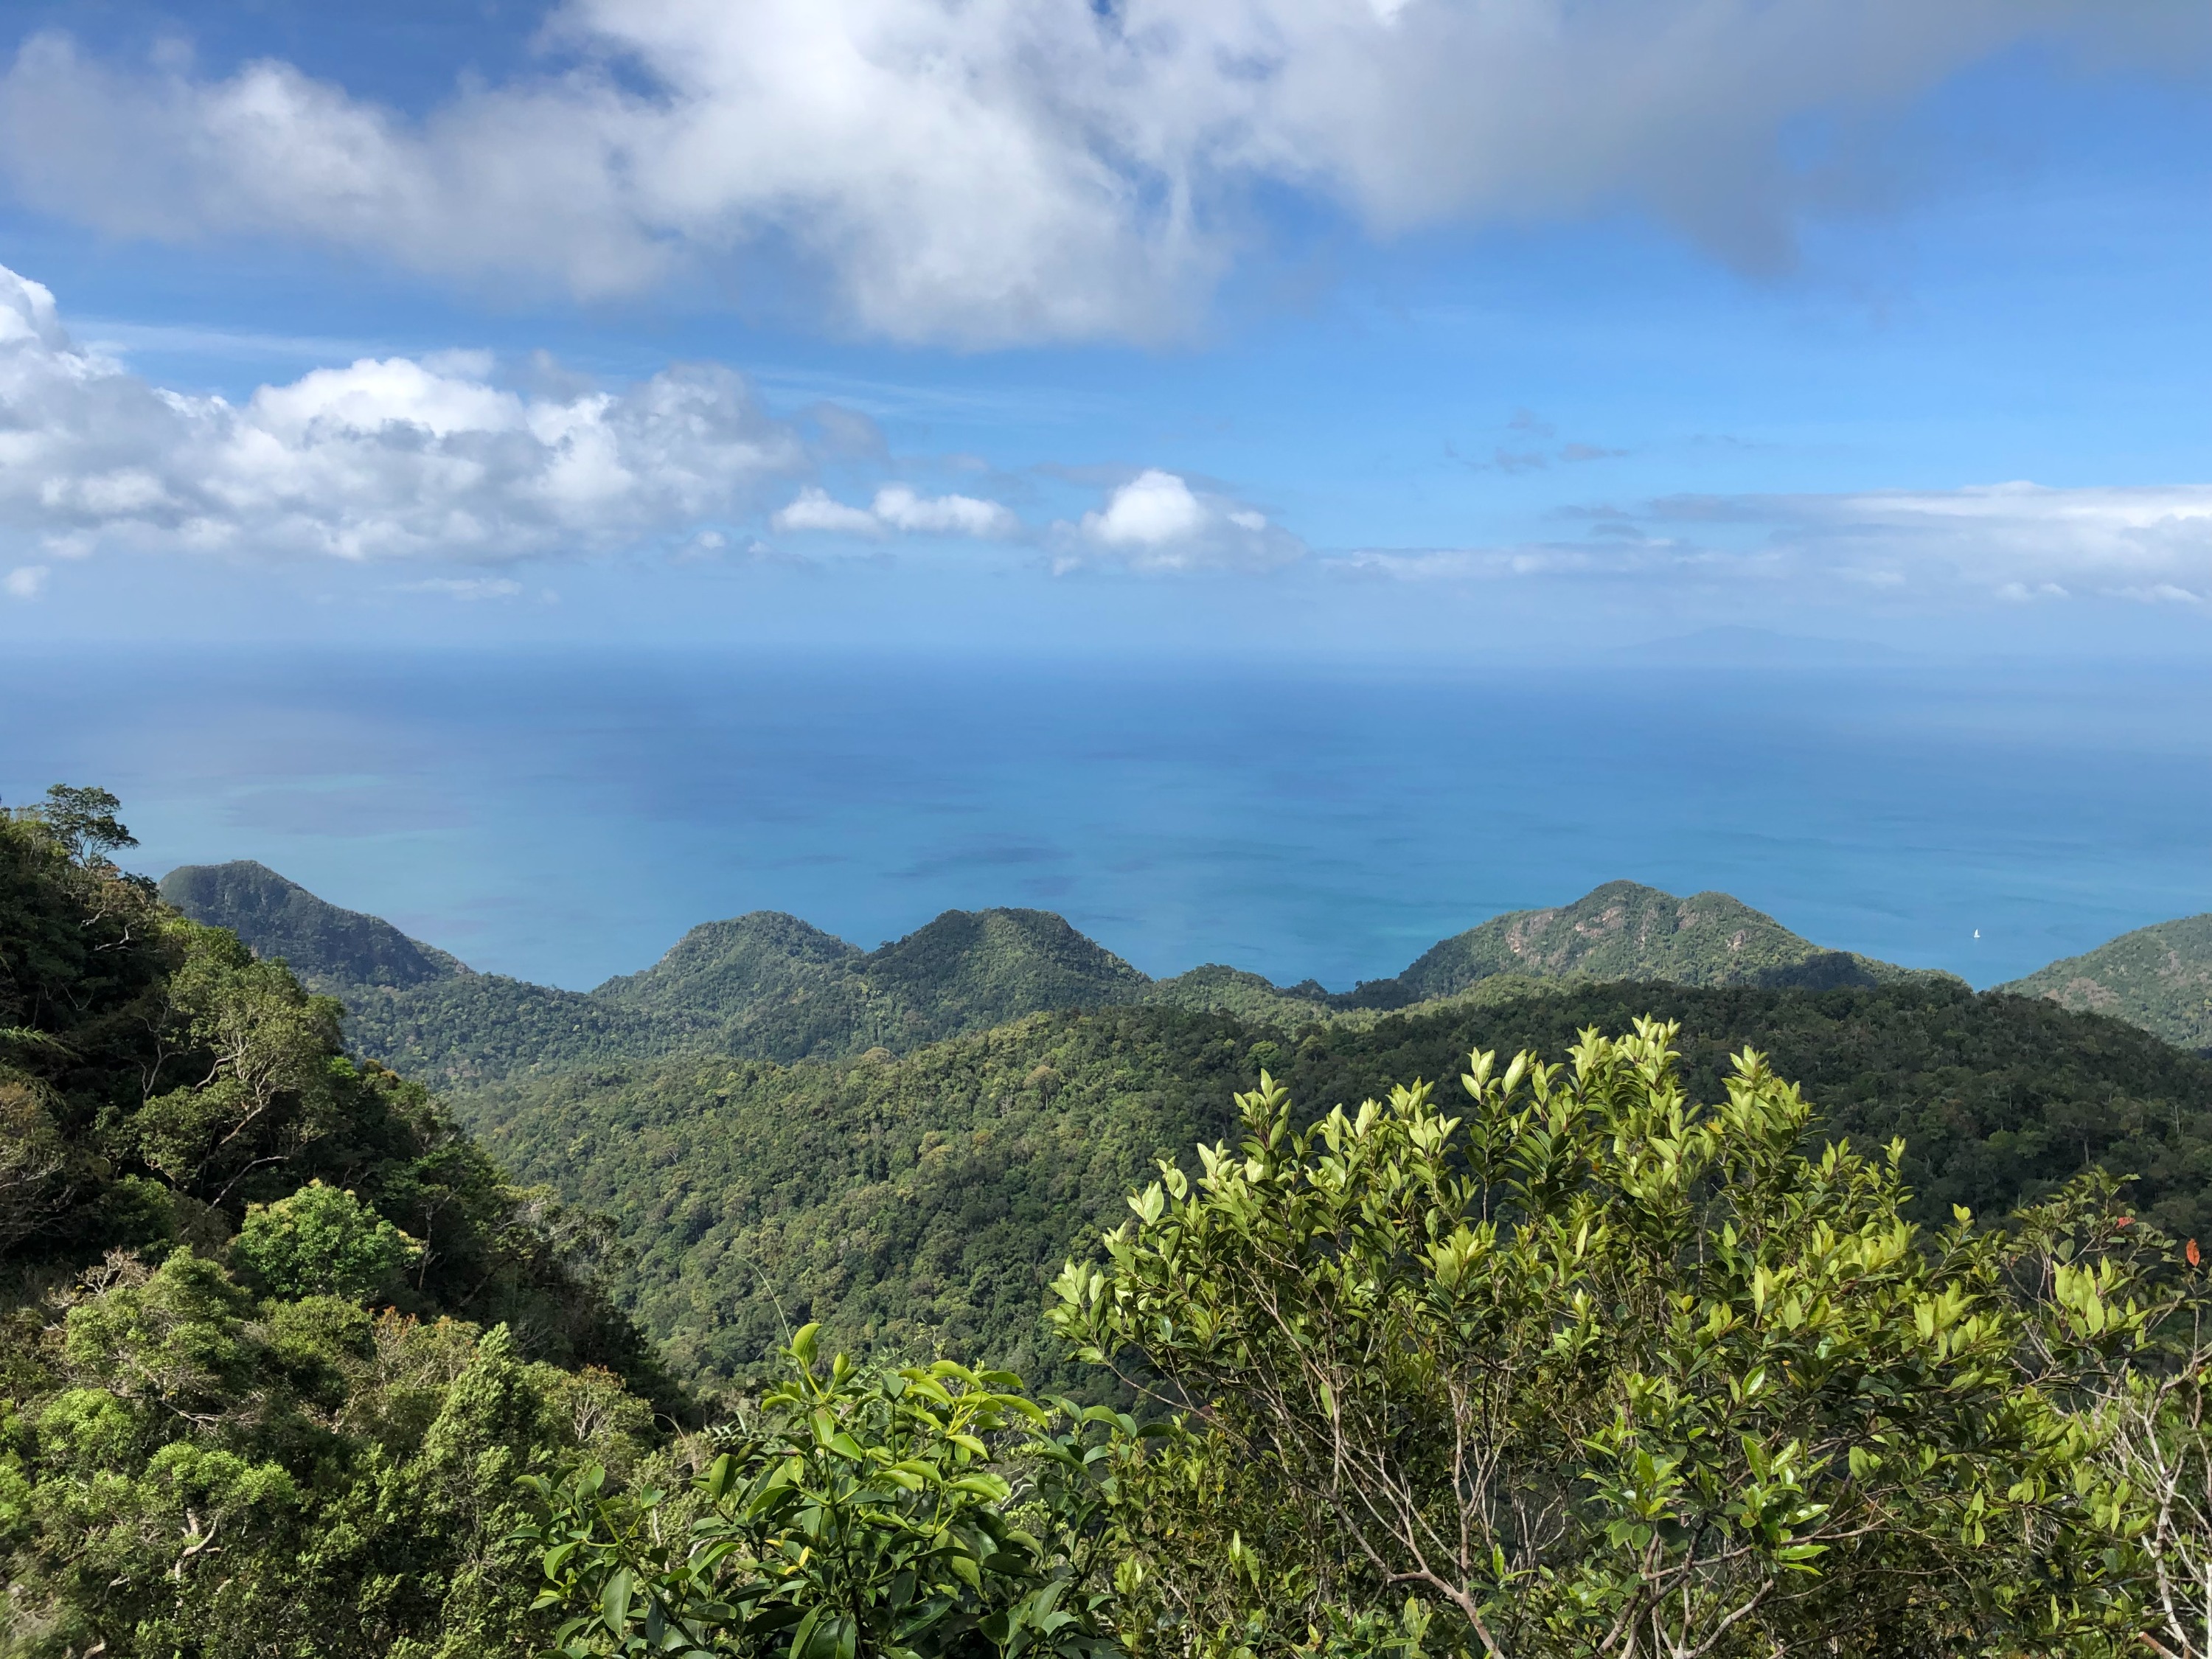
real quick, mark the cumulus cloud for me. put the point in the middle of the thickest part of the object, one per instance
(945, 515)
(2015, 542)
(815, 509)
(384, 459)
(1001, 170)
(897, 507)
(25, 581)
(1157, 522)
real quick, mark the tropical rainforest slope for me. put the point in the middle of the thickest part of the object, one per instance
(275, 1336)
(914, 1202)
(2158, 977)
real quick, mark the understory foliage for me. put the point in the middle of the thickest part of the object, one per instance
(277, 1340)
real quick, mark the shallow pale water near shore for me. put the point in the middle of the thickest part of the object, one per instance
(565, 817)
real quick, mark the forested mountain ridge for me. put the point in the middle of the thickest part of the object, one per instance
(770, 986)
(302, 1379)
(2158, 977)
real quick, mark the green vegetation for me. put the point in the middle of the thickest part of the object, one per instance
(331, 950)
(908, 1206)
(1573, 1368)
(768, 986)
(1558, 1363)
(453, 1032)
(1622, 931)
(918, 1203)
(2158, 977)
(276, 1338)
(1583, 1368)
(851, 1513)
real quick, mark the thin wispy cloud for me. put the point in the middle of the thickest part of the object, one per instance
(2009, 541)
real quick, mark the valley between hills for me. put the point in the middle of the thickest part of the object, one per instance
(904, 1144)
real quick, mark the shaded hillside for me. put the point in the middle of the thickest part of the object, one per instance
(926, 1200)
(2158, 977)
(1623, 931)
(452, 1032)
(332, 949)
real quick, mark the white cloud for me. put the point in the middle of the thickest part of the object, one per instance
(467, 587)
(1153, 509)
(2019, 539)
(385, 459)
(25, 581)
(897, 507)
(952, 515)
(1003, 170)
(434, 459)
(2019, 543)
(815, 509)
(1156, 522)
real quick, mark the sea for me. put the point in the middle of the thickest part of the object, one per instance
(565, 815)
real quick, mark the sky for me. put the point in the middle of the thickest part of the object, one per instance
(1476, 328)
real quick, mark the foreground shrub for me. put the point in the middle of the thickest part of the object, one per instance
(1583, 1369)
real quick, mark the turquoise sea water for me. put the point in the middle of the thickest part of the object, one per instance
(566, 816)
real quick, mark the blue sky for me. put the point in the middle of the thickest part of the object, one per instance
(1317, 324)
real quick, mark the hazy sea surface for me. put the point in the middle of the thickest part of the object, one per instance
(566, 816)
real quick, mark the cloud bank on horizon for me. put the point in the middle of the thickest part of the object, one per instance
(1007, 171)
(403, 460)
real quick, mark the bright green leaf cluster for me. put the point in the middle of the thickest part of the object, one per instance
(849, 1513)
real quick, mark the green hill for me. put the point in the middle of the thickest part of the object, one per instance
(926, 1200)
(1623, 931)
(771, 987)
(1214, 988)
(2158, 977)
(332, 949)
(903, 1143)
(721, 970)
